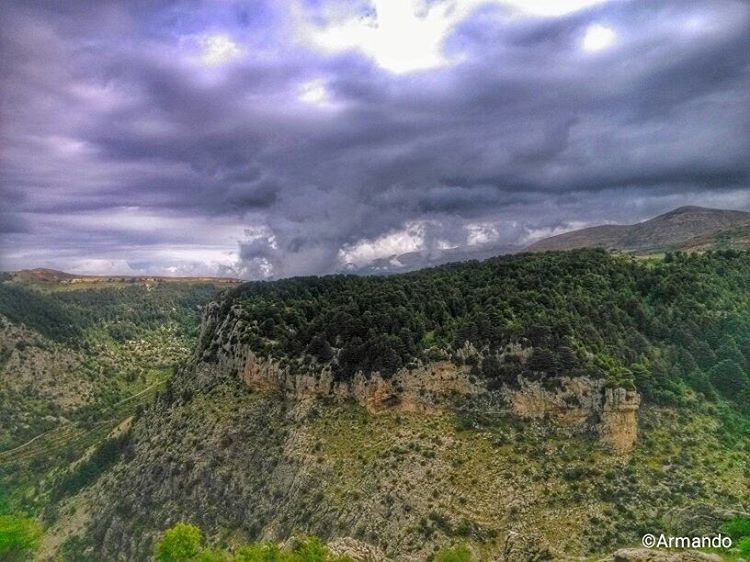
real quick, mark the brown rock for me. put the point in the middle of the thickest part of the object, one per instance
(649, 555)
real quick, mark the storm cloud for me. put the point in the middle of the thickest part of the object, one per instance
(265, 139)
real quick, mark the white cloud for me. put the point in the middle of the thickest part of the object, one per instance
(217, 49)
(410, 239)
(535, 234)
(598, 37)
(549, 8)
(313, 92)
(406, 35)
(481, 233)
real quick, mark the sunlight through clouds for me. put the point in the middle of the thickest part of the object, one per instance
(313, 92)
(218, 49)
(598, 37)
(406, 35)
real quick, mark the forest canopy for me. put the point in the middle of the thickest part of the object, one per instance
(661, 325)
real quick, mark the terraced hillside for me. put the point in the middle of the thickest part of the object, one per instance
(76, 362)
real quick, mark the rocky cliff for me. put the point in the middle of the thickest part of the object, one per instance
(399, 465)
(609, 413)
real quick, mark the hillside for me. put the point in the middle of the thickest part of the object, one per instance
(75, 362)
(686, 229)
(533, 407)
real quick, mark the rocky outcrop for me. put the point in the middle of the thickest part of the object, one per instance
(572, 401)
(618, 427)
(423, 389)
(610, 413)
(586, 403)
(357, 551)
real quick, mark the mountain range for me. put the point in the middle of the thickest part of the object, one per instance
(686, 229)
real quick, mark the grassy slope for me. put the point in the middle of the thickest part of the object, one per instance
(245, 466)
(248, 466)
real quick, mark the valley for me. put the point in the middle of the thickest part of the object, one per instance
(77, 363)
(531, 407)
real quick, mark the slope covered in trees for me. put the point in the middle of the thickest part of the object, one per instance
(247, 464)
(661, 326)
(75, 361)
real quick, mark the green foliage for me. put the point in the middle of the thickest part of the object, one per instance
(729, 378)
(737, 528)
(260, 552)
(661, 326)
(744, 547)
(459, 553)
(87, 471)
(181, 543)
(87, 357)
(19, 538)
(127, 310)
(213, 555)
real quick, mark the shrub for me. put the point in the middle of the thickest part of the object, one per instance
(737, 528)
(19, 538)
(181, 543)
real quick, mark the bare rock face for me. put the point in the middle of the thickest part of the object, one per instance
(618, 427)
(582, 402)
(571, 403)
(423, 389)
(648, 555)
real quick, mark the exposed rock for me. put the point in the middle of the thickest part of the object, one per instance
(356, 550)
(423, 389)
(586, 403)
(649, 555)
(574, 401)
(619, 425)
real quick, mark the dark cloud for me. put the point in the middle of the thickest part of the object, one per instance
(215, 136)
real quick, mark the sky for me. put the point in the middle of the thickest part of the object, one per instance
(266, 139)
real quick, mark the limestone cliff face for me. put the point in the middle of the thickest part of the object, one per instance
(619, 423)
(610, 413)
(424, 389)
(583, 402)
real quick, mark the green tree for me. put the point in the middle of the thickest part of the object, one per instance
(744, 547)
(19, 538)
(213, 555)
(729, 378)
(261, 552)
(181, 543)
(737, 528)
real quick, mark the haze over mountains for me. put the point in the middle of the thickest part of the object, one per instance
(42, 275)
(688, 228)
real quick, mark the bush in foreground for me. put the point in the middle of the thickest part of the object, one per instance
(184, 543)
(19, 538)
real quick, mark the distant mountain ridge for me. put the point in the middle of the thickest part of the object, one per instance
(688, 228)
(45, 275)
